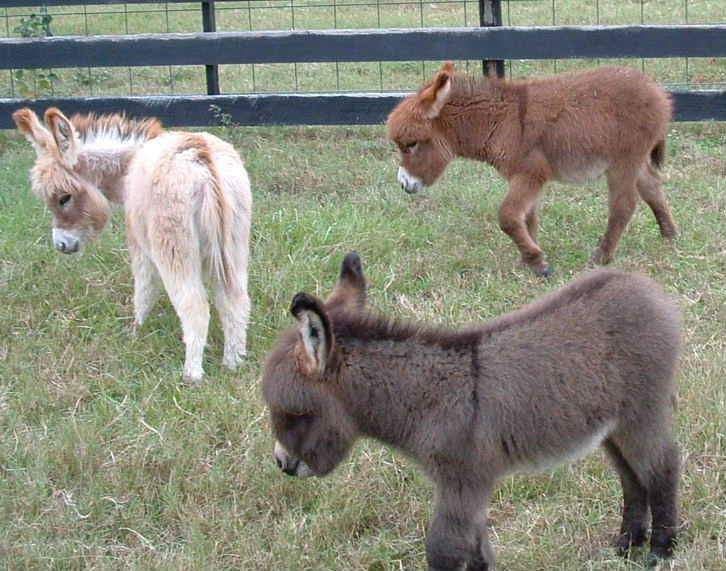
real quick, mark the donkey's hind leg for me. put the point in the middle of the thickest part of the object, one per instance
(651, 191)
(635, 502)
(147, 285)
(183, 283)
(655, 459)
(663, 499)
(233, 306)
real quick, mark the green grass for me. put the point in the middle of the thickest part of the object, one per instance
(107, 461)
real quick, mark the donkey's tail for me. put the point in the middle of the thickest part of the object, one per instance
(217, 214)
(657, 154)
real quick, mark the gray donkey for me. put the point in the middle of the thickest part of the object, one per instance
(591, 364)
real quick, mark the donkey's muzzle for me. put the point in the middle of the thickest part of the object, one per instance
(408, 182)
(289, 464)
(290, 467)
(67, 247)
(65, 242)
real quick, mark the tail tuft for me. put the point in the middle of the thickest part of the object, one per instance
(217, 215)
(657, 155)
(217, 210)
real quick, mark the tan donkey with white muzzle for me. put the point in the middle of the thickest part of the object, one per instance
(571, 128)
(588, 365)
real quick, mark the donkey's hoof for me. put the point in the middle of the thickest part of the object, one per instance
(669, 234)
(540, 269)
(133, 330)
(544, 272)
(538, 265)
(599, 258)
(626, 542)
(654, 559)
(192, 379)
(234, 360)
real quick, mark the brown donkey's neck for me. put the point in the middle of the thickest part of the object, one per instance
(479, 114)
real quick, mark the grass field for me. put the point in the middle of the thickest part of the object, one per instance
(108, 461)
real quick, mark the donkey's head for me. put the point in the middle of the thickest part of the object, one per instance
(415, 128)
(79, 209)
(301, 385)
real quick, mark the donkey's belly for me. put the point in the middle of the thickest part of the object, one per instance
(574, 171)
(553, 454)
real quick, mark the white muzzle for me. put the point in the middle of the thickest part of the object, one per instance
(65, 241)
(409, 183)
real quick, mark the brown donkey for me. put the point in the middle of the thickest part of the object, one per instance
(571, 128)
(591, 364)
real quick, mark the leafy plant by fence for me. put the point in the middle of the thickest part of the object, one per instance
(29, 82)
(357, 75)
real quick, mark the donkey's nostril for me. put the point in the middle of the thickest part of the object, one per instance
(65, 241)
(291, 468)
(279, 463)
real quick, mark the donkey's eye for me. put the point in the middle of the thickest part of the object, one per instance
(64, 199)
(409, 147)
(293, 424)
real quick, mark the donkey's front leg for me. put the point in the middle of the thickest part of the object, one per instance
(457, 538)
(517, 214)
(484, 558)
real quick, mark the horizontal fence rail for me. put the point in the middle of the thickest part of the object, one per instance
(292, 109)
(49, 3)
(372, 45)
(552, 42)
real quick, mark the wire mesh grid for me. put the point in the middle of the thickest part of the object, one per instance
(92, 17)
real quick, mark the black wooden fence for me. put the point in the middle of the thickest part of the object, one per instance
(214, 48)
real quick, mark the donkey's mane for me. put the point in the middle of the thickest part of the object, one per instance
(371, 326)
(468, 85)
(115, 128)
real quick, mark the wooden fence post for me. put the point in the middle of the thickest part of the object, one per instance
(490, 14)
(209, 24)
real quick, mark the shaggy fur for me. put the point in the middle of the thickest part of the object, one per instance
(188, 207)
(571, 128)
(591, 364)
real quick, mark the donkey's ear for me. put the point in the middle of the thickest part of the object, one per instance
(30, 126)
(351, 287)
(436, 94)
(65, 136)
(316, 339)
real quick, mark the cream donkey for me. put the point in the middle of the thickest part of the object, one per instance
(187, 203)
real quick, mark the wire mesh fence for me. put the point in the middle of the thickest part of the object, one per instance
(93, 17)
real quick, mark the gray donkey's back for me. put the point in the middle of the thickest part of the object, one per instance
(594, 360)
